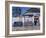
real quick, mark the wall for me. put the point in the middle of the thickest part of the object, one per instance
(2, 19)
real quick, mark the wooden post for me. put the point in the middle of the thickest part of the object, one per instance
(33, 22)
(23, 22)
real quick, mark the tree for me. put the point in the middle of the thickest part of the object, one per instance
(16, 11)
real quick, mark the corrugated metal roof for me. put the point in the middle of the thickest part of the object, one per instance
(36, 10)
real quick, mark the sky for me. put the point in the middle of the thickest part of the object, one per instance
(23, 9)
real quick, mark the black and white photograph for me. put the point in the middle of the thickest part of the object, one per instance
(25, 18)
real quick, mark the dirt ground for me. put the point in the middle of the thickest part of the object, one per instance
(25, 28)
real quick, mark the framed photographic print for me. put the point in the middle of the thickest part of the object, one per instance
(24, 18)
